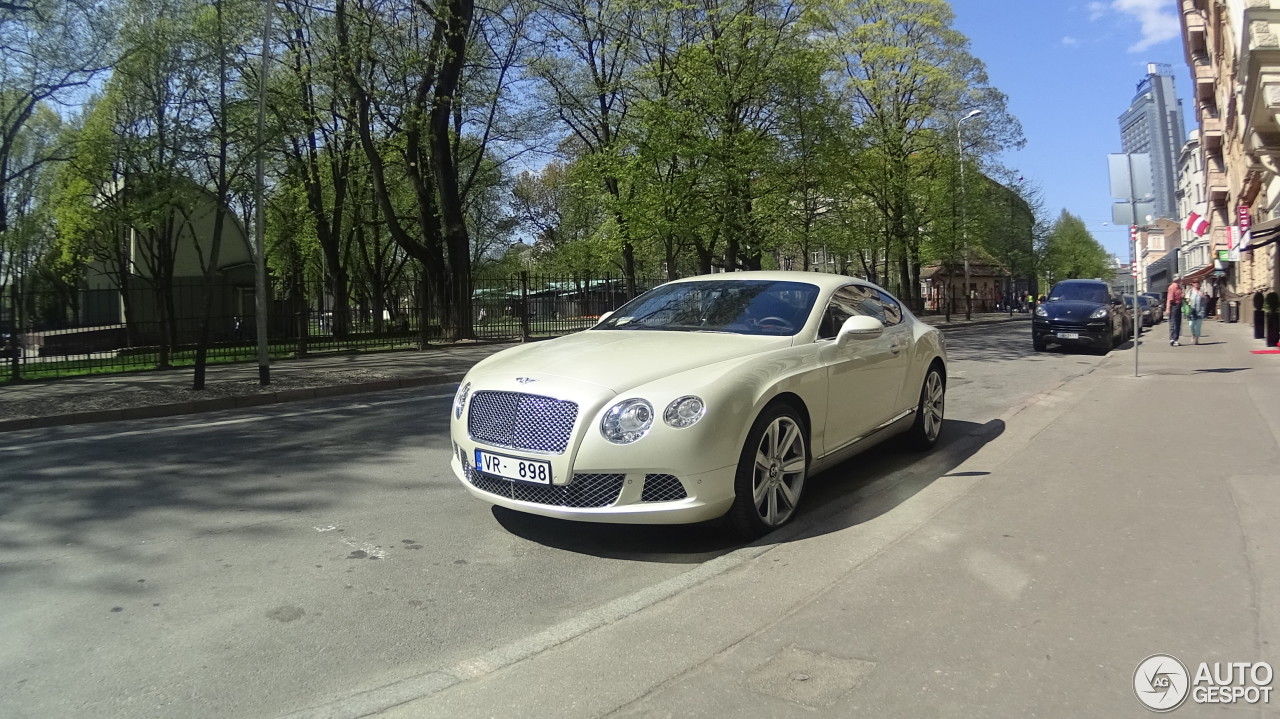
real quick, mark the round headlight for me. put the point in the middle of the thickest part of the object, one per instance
(684, 412)
(627, 421)
(460, 400)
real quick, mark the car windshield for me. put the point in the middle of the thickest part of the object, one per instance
(1079, 292)
(749, 307)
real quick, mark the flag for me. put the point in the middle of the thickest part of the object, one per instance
(1197, 224)
(1232, 236)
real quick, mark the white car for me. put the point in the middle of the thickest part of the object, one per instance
(705, 397)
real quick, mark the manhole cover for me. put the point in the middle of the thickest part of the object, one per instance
(814, 679)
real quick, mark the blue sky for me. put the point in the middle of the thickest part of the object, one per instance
(1069, 70)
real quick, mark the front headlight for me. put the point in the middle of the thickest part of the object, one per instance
(460, 399)
(684, 412)
(1098, 313)
(1040, 311)
(627, 421)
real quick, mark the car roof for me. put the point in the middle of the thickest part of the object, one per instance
(824, 280)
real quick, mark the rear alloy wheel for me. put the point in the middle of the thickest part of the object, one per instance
(929, 412)
(771, 473)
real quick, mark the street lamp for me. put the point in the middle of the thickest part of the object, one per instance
(964, 232)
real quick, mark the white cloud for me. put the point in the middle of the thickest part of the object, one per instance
(1096, 10)
(1156, 18)
(1070, 41)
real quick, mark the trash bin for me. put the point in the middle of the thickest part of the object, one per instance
(1233, 311)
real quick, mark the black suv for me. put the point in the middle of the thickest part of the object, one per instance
(1080, 313)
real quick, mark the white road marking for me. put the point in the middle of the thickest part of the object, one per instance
(372, 550)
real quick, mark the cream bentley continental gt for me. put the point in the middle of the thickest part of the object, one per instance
(712, 396)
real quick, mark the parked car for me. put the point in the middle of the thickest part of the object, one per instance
(10, 344)
(1157, 306)
(1144, 308)
(706, 397)
(1080, 313)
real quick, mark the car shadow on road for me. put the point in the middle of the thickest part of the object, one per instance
(875, 483)
(852, 492)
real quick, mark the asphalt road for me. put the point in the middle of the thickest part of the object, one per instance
(259, 563)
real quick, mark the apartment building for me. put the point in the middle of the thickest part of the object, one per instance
(1233, 50)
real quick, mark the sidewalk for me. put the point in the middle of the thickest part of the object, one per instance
(163, 393)
(1110, 519)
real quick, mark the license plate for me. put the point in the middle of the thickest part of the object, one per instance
(1069, 335)
(525, 470)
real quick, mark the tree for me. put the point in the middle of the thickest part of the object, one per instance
(220, 43)
(909, 78)
(50, 49)
(587, 67)
(560, 208)
(315, 108)
(1072, 252)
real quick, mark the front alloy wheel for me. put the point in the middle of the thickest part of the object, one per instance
(771, 473)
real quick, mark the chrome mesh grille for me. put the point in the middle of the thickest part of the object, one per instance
(521, 421)
(662, 488)
(586, 490)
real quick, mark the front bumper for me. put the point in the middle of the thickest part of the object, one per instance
(1092, 334)
(609, 496)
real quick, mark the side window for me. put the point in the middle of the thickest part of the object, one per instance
(853, 300)
(868, 302)
(841, 307)
(892, 310)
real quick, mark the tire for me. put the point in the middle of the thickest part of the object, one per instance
(1038, 343)
(771, 473)
(924, 432)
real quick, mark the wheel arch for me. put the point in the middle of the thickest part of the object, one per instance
(795, 402)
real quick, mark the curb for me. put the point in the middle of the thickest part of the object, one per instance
(225, 403)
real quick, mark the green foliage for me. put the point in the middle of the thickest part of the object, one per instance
(684, 137)
(1072, 252)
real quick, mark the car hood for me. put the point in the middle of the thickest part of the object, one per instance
(1073, 309)
(622, 359)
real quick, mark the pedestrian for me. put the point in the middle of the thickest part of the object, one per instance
(1196, 305)
(1173, 310)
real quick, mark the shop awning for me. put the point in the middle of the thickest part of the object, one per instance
(1199, 274)
(1261, 234)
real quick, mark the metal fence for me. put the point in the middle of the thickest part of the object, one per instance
(48, 335)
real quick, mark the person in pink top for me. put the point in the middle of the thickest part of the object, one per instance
(1173, 310)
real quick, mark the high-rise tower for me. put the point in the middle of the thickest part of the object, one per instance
(1153, 124)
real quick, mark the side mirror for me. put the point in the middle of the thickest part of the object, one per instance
(860, 327)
